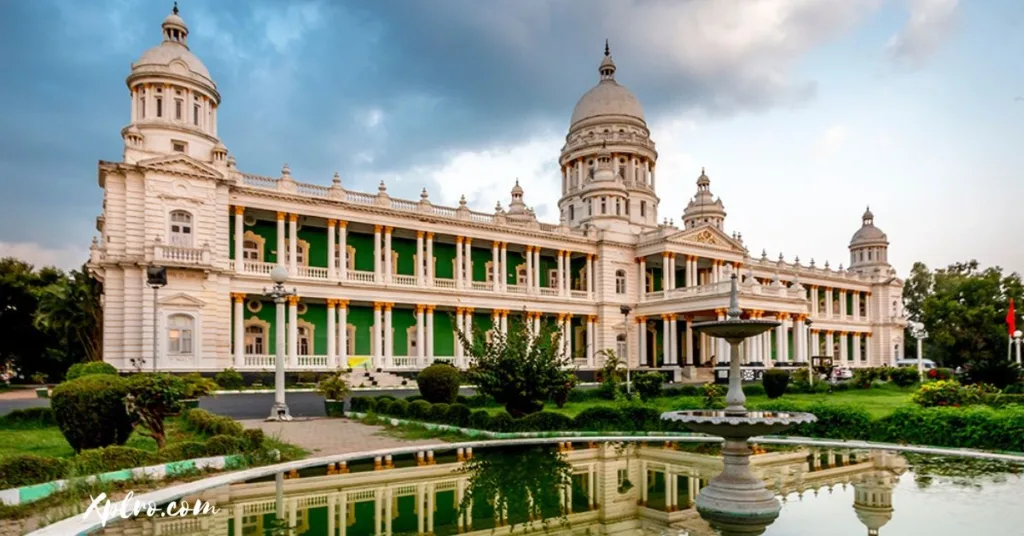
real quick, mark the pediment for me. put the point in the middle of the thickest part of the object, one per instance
(708, 236)
(183, 165)
(182, 300)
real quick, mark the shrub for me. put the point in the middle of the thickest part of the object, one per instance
(364, 404)
(951, 393)
(28, 418)
(253, 438)
(863, 378)
(713, 394)
(639, 418)
(186, 450)
(307, 377)
(975, 427)
(607, 390)
(904, 376)
(480, 420)
(458, 415)
(648, 385)
(439, 383)
(208, 423)
(581, 395)
(560, 393)
(229, 379)
(90, 411)
(418, 410)
(544, 421)
(775, 382)
(103, 460)
(838, 421)
(28, 469)
(152, 398)
(196, 385)
(399, 408)
(477, 401)
(992, 371)
(940, 374)
(220, 445)
(85, 369)
(384, 406)
(754, 389)
(438, 413)
(334, 386)
(598, 419)
(502, 422)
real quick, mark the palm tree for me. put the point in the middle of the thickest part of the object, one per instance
(71, 307)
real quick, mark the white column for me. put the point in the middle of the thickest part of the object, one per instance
(332, 334)
(430, 259)
(293, 243)
(420, 259)
(664, 272)
(504, 322)
(673, 327)
(642, 279)
(377, 276)
(293, 330)
(281, 239)
(343, 250)
(468, 324)
(459, 266)
(828, 302)
(503, 268)
(239, 299)
(536, 324)
(590, 340)
(829, 344)
(420, 341)
(843, 353)
(528, 255)
(467, 258)
(641, 334)
(560, 268)
(430, 334)
(378, 335)
(814, 300)
(566, 335)
(342, 333)
(721, 346)
(460, 327)
(388, 268)
(868, 350)
(689, 342)
(495, 258)
(331, 245)
(389, 337)
(671, 271)
(799, 339)
(842, 304)
(536, 266)
(666, 339)
(239, 233)
(856, 307)
(590, 276)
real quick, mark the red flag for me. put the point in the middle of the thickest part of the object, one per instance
(1011, 319)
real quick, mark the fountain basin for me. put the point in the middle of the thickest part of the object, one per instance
(738, 425)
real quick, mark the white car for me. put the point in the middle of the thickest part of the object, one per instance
(842, 373)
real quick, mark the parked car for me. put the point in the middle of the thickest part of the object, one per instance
(926, 363)
(842, 373)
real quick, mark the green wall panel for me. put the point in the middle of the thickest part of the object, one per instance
(514, 259)
(401, 321)
(361, 317)
(480, 256)
(445, 254)
(406, 249)
(444, 333)
(268, 231)
(363, 519)
(363, 243)
(316, 521)
(316, 314)
(317, 238)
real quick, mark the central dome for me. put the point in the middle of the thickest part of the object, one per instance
(172, 51)
(607, 98)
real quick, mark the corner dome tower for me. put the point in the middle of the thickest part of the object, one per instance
(608, 136)
(869, 247)
(173, 101)
(704, 208)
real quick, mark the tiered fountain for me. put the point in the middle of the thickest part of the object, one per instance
(736, 501)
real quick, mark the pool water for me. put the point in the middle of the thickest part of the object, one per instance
(621, 488)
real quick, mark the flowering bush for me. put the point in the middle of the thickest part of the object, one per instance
(940, 374)
(951, 393)
(713, 394)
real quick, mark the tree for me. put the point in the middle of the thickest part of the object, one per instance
(520, 370)
(963, 309)
(23, 346)
(71, 307)
(151, 399)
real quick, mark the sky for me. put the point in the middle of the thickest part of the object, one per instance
(803, 112)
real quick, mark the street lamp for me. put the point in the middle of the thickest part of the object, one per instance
(156, 278)
(1016, 336)
(279, 275)
(810, 360)
(919, 333)
(625, 309)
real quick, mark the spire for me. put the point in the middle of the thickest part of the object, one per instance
(174, 28)
(607, 68)
(175, 9)
(607, 51)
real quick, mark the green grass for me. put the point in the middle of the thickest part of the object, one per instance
(878, 401)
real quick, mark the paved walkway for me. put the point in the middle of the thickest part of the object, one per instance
(323, 437)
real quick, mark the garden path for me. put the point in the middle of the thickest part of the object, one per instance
(324, 437)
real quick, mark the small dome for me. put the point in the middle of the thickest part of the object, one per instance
(607, 97)
(868, 233)
(173, 48)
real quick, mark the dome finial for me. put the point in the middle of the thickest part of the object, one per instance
(175, 8)
(607, 50)
(607, 67)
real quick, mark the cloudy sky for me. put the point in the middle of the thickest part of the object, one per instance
(802, 111)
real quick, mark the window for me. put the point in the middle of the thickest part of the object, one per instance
(643, 209)
(604, 206)
(305, 340)
(626, 205)
(177, 109)
(181, 229)
(553, 278)
(159, 107)
(195, 115)
(255, 339)
(250, 251)
(620, 345)
(179, 335)
(620, 281)
(590, 207)
(521, 275)
(142, 107)
(489, 271)
(618, 207)
(301, 248)
(178, 146)
(572, 212)
(410, 344)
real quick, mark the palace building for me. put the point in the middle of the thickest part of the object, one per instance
(383, 283)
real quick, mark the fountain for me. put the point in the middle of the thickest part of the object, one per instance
(736, 501)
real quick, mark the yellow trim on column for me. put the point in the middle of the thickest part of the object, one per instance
(342, 223)
(281, 215)
(239, 210)
(293, 217)
(293, 300)
(238, 297)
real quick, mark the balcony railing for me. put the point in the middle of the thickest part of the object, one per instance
(181, 255)
(311, 272)
(361, 276)
(444, 283)
(402, 279)
(723, 287)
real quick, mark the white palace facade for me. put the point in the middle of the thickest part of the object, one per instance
(383, 282)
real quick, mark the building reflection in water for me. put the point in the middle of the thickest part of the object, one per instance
(625, 488)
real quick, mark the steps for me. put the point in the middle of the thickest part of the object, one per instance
(382, 380)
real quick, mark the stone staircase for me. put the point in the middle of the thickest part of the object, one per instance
(702, 375)
(383, 380)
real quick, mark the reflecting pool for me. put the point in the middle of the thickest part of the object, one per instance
(609, 488)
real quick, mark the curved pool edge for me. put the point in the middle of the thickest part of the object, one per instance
(78, 525)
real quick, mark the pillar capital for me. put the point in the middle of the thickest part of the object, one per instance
(239, 210)
(388, 229)
(238, 297)
(592, 318)
(783, 315)
(331, 302)
(332, 222)
(292, 218)
(420, 307)
(430, 308)
(688, 318)
(867, 334)
(641, 319)
(388, 306)
(459, 239)
(469, 240)
(281, 215)
(673, 317)
(342, 304)
(830, 332)
(469, 310)
(721, 311)
(844, 333)
(377, 306)
(430, 235)
(504, 245)
(293, 300)
(378, 228)
(495, 244)
(665, 254)
(460, 310)
(342, 224)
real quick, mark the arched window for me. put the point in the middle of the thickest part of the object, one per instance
(620, 281)
(255, 339)
(179, 334)
(620, 345)
(181, 229)
(305, 340)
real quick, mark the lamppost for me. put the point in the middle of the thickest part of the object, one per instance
(1017, 336)
(919, 333)
(279, 275)
(625, 309)
(156, 278)
(810, 360)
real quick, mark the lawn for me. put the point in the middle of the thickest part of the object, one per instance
(878, 401)
(48, 441)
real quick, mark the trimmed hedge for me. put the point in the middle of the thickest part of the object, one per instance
(212, 424)
(85, 369)
(27, 469)
(439, 383)
(90, 411)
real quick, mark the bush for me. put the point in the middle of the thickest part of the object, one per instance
(186, 450)
(103, 460)
(439, 383)
(28, 418)
(975, 427)
(606, 390)
(648, 385)
(438, 413)
(904, 376)
(399, 408)
(951, 393)
(775, 382)
(208, 423)
(480, 420)
(458, 415)
(418, 410)
(90, 411)
(502, 422)
(560, 393)
(940, 374)
(477, 401)
(544, 421)
(598, 419)
(754, 389)
(836, 421)
(85, 369)
(28, 469)
(196, 385)
(220, 445)
(152, 398)
(639, 418)
(229, 379)
(334, 386)
(253, 438)
(384, 406)
(713, 394)
(364, 404)
(993, 371)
